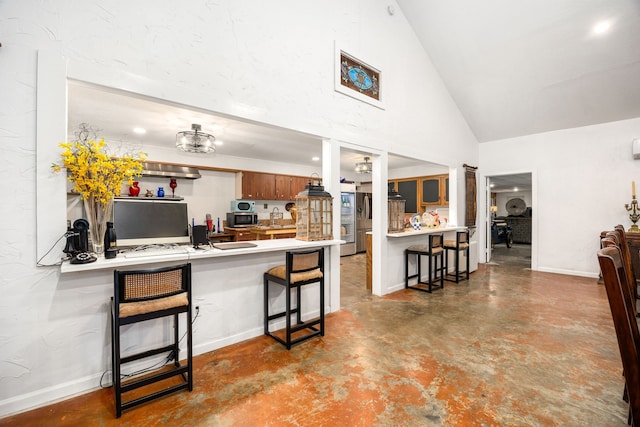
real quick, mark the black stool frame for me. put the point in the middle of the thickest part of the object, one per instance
(462, 237)
(435, 241)
(185, 371)
(316, 326)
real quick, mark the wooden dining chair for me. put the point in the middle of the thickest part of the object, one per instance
(612, 238)
(626, 256)
(626, 327)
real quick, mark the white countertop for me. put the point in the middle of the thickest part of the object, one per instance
(411, 232)
(191, 254)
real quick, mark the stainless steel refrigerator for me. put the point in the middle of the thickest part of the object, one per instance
(347, 220)
(363, 219)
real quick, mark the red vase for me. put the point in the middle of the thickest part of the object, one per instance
(134, 190)
(173, 184)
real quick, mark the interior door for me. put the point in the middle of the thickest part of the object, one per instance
(487, 215)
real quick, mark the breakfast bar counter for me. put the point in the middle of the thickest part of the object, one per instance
(411, 232)
(189, 254)
(398, 242)
(227, 292)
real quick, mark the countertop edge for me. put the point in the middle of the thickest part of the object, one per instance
(425, 231)
(192, 254)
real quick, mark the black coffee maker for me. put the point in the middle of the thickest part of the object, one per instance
(77, 246)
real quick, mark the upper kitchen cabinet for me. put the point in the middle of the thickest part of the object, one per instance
(434, 190)
(298, 183)
(267, 186)
(422, 192)
(408, 188)
(257, 186)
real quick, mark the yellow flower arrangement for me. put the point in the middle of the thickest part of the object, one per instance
(95, 173)
(97, 177)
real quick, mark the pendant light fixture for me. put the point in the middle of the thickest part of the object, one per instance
(364, 167)
(195, 141)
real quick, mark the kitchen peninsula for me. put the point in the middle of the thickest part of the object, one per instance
(227, 290)
(398, 242)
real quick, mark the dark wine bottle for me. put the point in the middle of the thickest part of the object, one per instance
(110, 241)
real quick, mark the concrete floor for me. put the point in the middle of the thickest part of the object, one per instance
(510, 347)
(517, 256)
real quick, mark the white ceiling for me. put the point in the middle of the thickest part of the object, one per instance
(510, 183)
(513, 68)
(115, 113)
(518, 67)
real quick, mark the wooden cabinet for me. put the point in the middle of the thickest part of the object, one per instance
(258, 186)
(434, 190)
(267, 186)
(422, 192)
(298, 183)
(409, 190)
(241, 235)
(282, 187)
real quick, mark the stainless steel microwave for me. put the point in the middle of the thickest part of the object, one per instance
(243, 206)
(241, 219)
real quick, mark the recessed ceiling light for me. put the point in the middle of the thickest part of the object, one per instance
(139, 131)
(492, 185)
(601, 27)
(315, 159)
(515, 188)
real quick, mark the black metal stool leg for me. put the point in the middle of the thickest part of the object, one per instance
(288, 317)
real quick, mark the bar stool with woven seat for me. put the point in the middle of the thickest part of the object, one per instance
(301, 268)
(141, 295)
(460, 244)
(433, 251)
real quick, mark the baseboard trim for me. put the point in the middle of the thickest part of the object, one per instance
(568, 272)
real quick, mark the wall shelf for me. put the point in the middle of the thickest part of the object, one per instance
(166, 198)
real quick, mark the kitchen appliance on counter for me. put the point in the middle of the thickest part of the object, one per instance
(243, 206)
(241, 219)
(347, 219)
(363, 219)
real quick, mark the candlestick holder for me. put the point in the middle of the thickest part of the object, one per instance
(634, 215)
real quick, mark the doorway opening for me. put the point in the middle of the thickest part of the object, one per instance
(510, 220)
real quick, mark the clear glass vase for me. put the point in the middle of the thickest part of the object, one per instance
(97, 214)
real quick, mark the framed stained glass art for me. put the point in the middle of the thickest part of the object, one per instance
(357, 79)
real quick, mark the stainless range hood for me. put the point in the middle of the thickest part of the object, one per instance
(169, 170)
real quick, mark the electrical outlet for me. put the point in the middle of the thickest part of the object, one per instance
(266, 206)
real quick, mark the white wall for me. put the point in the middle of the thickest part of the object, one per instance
(582, 180)
(503, 198)
(263, 61)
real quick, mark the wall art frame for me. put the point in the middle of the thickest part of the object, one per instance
(357, 79)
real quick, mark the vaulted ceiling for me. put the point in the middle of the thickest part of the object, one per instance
(528, 66)
(514, 67)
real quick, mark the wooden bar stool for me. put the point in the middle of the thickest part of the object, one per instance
(460, 244)
(141, 295)
(433, 251)
(301, 268)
